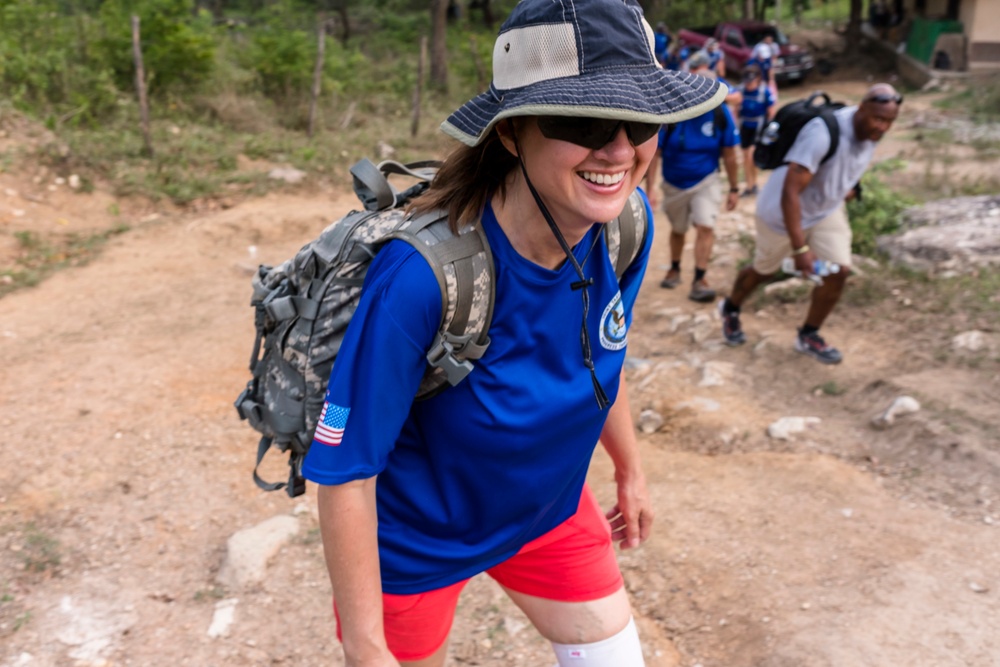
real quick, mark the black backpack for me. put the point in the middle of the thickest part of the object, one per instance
(303, 306)
(779, 135)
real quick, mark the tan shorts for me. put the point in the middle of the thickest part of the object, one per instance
(697, 205)
(830, 239)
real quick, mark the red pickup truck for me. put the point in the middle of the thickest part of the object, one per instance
(737, 39)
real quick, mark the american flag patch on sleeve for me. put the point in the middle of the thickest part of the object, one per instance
(332, 420)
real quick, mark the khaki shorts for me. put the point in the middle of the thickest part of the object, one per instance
(830, 239)
(697, 205)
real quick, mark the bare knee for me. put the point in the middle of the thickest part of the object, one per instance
(576, 622)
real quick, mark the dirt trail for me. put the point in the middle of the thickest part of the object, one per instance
(126, 470)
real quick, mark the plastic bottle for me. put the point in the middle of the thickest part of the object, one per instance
(770, 133)
(821, 269)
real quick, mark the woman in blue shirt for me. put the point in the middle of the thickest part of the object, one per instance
(489, 475)
(756, 110)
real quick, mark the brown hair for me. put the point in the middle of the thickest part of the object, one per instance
(466, 180)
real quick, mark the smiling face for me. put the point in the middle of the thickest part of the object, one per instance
(874, 119)
(581, 186)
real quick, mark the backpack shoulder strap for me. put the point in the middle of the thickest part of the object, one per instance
(834, 128)
(625, 236)
(719, 117)
(463, 266)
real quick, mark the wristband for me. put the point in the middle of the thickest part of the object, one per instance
(801, 251)
(733, 191)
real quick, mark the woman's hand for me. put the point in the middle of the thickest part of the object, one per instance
(631, 518)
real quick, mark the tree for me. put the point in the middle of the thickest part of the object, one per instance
(486, 8)
(854, 27)
(345, 21)
(439, 47)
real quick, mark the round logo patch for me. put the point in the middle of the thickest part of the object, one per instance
(708, 128)
(613, 329)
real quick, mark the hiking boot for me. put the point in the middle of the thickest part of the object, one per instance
(672, 279)
(701, 292)
(732, 332)
(750, 192)
(813, 345)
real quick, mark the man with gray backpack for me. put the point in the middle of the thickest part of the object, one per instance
(818, 153)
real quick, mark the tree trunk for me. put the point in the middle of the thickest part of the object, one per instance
(345, 22)
(748, 9)
(140, 87)
(317, 74)
(439, 47)
(854, 28)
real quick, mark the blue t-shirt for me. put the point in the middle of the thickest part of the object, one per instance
(713, 59)
(660, 45)
(691, 150)
(753, 109)
(676, 59)
(466, 478)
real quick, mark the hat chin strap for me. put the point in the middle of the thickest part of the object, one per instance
(582, 284)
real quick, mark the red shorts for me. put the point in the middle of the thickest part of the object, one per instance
(573, 562)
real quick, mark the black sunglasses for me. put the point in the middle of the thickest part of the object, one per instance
(885, 98)
(594, 133)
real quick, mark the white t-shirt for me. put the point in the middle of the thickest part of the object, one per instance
(763, 51)
(831, 181)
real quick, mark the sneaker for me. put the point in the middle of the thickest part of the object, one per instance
(732, 332)
(813, 345)
(750, 192)
(672, 279)
(701, 292)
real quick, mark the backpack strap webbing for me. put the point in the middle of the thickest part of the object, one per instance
(625, 236)
(834, 128)
(461, 336)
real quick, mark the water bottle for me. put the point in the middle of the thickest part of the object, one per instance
(821, 269)
(770, 133)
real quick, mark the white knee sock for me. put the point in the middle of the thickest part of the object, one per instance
(621, 650)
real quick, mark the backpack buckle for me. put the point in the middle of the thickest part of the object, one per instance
(444, 355)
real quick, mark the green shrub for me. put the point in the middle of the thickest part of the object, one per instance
(48, 63)
(178, 44)
(879, 210)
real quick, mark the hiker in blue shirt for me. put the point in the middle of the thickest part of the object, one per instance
(677, 58)
(756, 110)
(661, 42)
(691, 152)
(489, 474)
(716, 57)
(764, 53)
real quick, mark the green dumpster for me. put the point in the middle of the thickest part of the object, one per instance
(924, 34)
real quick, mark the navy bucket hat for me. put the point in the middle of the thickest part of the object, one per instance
(591, 58)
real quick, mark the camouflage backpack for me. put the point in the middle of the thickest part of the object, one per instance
(303, 306)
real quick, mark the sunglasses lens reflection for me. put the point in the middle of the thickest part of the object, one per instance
(593, 133)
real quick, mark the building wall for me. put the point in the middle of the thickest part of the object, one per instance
(983, 30)
(981, 22)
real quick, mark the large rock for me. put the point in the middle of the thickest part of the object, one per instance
(249, 551)
(957, 234)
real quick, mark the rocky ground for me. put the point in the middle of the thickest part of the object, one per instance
(126, 471)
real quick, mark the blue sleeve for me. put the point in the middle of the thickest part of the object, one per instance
(632, 278)
(768, 98)
(731, 134)
(379, 367)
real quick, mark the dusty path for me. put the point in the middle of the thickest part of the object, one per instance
(125, 471)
